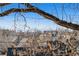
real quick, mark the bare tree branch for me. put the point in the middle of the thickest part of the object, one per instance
(15, 10)
(55, 19)
(44, 14)
(4, 4)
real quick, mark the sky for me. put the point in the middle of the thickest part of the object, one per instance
(67, 12)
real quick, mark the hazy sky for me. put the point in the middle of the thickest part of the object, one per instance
(35, 21)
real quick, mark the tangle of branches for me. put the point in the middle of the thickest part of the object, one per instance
(42, 13)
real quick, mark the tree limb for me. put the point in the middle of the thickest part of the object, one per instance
(15, 10)
(4, 4)
(44, 14)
